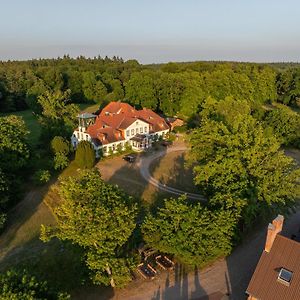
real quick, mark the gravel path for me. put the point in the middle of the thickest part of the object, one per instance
(144, 163)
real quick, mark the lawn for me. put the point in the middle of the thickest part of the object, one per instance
(171, 170)
(87, 107)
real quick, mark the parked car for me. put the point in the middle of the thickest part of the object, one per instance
(129, 158)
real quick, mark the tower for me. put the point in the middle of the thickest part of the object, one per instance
(85, 120)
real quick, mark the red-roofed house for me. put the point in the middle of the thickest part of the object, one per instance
(118, 125)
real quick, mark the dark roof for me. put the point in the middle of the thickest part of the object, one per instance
(138, 138)
(264, 285)
(86, 115)
(96, 142)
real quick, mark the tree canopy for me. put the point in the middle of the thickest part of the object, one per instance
(100, 218)
(238, 163)
(16, 285)
(192, 233)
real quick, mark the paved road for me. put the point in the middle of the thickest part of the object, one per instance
(144, 163)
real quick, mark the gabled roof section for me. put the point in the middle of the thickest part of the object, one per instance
(265, 283)
(114, 108)
(157, 122)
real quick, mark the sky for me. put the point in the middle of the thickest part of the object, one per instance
(152, 31)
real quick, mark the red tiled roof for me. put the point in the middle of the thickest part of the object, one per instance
(285, 253)
(117, 108)
(117, 116)
(157, 123)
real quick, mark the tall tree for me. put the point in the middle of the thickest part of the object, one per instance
(239, 164)
(286, 124)
(194, 234)
(85, 155)
(58, 116)
(14, 149)
(141, 90)
(100, 218)
(61, 149)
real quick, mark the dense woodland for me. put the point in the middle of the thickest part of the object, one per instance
(239, 118)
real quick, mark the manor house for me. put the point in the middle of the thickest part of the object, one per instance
(120, 125)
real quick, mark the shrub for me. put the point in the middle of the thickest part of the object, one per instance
(60, 145)
(41, 177)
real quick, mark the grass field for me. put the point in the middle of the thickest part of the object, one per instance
(171, 171)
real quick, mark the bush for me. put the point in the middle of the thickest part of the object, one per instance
(60, 161)
(60, 145)
(41, 177)
(85, 155)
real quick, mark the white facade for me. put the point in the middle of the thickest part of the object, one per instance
(137, 128)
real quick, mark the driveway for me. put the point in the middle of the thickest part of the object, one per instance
(144, 163)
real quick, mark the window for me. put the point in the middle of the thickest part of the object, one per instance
(86, 137)
(127, 132)
(132, 131)
(285, 276)
(141, 130)
(104, 149)
(145, 129)
(136, 131)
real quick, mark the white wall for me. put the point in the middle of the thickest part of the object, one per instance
(138, 127)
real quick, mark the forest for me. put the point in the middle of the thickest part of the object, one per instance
(240, 117)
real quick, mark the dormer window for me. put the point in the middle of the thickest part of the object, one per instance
(107, 113)
(285, 276)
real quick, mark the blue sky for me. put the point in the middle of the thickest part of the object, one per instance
(152, 30)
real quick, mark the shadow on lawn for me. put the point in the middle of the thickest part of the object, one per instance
(15, 234)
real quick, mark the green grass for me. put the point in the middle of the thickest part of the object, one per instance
(31, 123)
(88, 107)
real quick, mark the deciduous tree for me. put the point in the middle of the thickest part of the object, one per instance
(100, 218)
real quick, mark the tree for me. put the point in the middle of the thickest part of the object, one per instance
(194, 234)
(85, 155)
(239, 164)
(141, 90)
(59, 144)
(171, 86)
(100, 218)
(93, 89)
(61, 149)
(286, 125)
(15, 285)
(4, 189)
(14, 149)
(58, 117)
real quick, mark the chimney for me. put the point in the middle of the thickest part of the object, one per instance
(273, 230)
